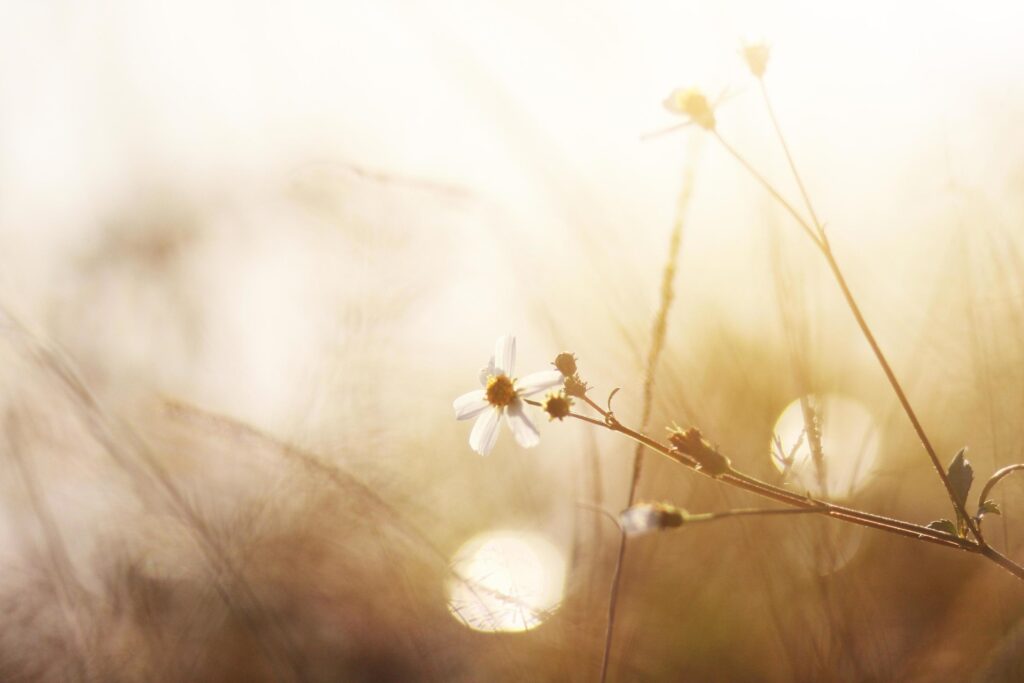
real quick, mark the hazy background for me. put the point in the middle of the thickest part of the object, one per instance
(315, 218)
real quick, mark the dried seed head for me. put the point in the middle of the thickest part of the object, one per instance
(566, 363)
(574, 386)
(691, 442)
(557, 405)
(691, 102)
(756, 56)
(685, 440)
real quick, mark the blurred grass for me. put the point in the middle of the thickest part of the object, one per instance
(278, 344)
(330, 558)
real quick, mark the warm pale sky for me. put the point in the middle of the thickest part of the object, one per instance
(533, 109)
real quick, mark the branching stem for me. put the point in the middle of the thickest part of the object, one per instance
(808, 503)
(817, 235)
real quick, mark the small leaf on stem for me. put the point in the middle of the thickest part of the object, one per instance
(989, 507)
(961, 476)
(944, 525)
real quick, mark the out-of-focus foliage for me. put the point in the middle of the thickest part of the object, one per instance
(250, 256)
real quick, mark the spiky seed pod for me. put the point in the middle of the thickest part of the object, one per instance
(690, 442)
(576, 387)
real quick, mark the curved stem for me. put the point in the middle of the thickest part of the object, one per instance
(601, 511)
(990, 484)
(995, 479)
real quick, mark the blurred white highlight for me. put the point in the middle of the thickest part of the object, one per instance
(510, 581)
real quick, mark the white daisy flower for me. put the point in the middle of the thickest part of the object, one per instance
(502, 395)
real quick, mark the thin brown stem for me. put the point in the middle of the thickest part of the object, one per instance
(1002, 560)
(590, 402)
(601, 511)
(781, 495)
(811, 505)
(659, 330)
(789, 158)
(745, 512)
(613, 602)
(768, 187)
(817, 235)
(840, 512)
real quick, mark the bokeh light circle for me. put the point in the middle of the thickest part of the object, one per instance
(849, 440)
(506, 581)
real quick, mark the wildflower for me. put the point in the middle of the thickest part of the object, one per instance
(756, 56)
(502, 395)
(644, 518)
(557, 405)
(691, 102)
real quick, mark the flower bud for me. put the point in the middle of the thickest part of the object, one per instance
(566, 364)
(647, 517)
(691, 102)
(756, 57)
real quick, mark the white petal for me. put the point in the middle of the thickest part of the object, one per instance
(470, 404)
(524, 431)
(485, 431)
(505, 354)
(639, 519)
(486, 372)
(539, 381)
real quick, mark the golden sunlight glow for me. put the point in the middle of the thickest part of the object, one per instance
(818, 546)
(849, 445)
(255, 258)
(508, 581)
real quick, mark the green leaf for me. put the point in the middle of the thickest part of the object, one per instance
(989, 507)
(944, 525)
(961, 476)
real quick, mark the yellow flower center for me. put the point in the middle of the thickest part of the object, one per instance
(500, 390)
